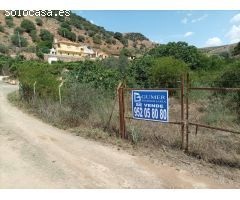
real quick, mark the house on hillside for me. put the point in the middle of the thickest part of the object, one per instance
(101, 55)
(71, 51)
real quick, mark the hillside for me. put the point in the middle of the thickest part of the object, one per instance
(73, 28)
(219, 50)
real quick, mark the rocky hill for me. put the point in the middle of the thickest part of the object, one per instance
(36, 35)
(219, 50)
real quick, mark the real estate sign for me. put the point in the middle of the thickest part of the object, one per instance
(150, 105)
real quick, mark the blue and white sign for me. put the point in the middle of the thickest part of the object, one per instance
(150, 105)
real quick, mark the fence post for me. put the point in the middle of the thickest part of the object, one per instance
(182, 110)
(122, 127)
(34, 89)
(187, 113)
(59, 93)
(115, 100)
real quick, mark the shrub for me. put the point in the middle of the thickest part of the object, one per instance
(9, 21)
(81, 38)
(18, 30)
(47, 84)
(118, 36)
(141, 70)
(28, 25)
(97, 39)
(124, 41)
(1, 29)
(34, 36)
(3, 49)
(19, 41)
(168, 71)
(67, 34)
(230, 78)
(236, 50)
(91, 33)
(45, 35)
(135, 36)
(66, 26)
(39, 21)
(179, 50)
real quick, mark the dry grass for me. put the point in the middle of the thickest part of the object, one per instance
(216, 147)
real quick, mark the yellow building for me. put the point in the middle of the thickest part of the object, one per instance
(68, 48)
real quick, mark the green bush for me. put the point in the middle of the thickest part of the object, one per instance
(46, 81)
(135, 36)
(97, 39)
(67, 34)
(45, 35)
(95, 74)
(66, 26)
(140, 69)
(230, 78)
(166, 71)
(18, 30)
(33, 35)
(179, 50)
(81, 38)
(9, 21)
(39, 21)
(27, 25)
(118, 36)
(19, 41)
(3, 49)
(236, 50)
(1, 29)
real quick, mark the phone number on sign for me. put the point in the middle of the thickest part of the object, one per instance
(150, 113)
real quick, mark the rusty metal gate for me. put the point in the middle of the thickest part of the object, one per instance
(184, 121)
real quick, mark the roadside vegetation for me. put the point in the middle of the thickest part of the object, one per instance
(88, 95)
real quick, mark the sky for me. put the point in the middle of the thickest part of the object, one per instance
(199, 28)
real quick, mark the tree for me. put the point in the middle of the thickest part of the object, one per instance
(28, 25)
(230, 78)
(236, 50)
(1, 29)
(45, 35)
(3, 49)
(19, 41)
(97, 39)
(140, 69)
(66, 26)
(39, 21)
(9, 21)
(67, 34)
(34, 36)
(118, 35)
(179, 50)
(166, 71)
(81, 38)
(18, 30)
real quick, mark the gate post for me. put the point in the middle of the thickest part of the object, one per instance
(182, 110)
(122, 128)
(187, 113)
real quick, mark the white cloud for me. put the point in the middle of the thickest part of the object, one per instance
(185, 20)
(199, 19)
(234, 34)
(187, 34)
(92, 21)
(235, 18)
(215, 41)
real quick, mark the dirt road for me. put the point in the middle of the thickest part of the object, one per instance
(36, 155)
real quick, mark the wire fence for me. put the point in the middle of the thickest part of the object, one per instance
(210, 128)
